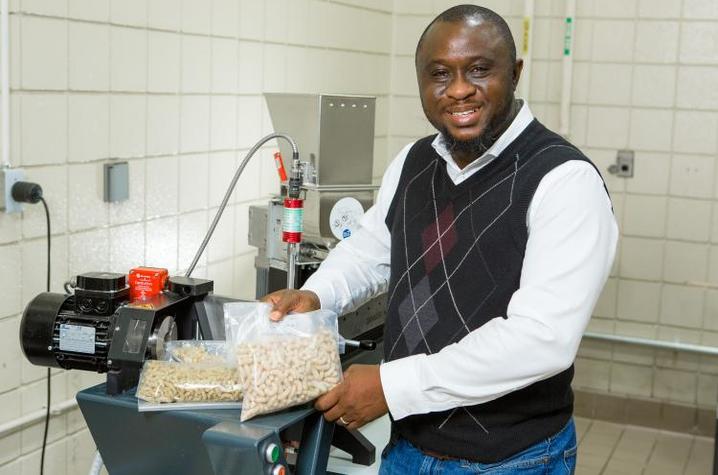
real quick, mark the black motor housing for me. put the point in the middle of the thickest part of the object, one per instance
(74, 331)
(98, 329)
(37, 328)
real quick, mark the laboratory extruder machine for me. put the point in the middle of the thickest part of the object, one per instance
(108, 326)
(335, 135)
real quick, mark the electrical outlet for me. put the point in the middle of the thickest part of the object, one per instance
(8, 177)
(624, 164)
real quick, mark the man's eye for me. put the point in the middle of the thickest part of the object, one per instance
(479, 70)
(439, 73)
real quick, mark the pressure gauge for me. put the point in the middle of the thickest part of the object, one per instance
(344, 217)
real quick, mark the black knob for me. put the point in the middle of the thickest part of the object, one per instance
(363, 344)
(367, 344)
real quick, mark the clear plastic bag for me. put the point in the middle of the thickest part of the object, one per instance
(282, 364)
(198, 351)
(163, 384)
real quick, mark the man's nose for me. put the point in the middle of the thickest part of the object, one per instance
(459, 88)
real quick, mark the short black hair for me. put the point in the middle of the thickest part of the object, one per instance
(464, 13)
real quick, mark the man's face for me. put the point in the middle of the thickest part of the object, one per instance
(466, 80)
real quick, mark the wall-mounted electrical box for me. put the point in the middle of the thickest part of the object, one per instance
(116, 182)
(8, 177)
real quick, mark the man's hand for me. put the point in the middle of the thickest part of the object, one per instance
(290, 300)
(358, 399)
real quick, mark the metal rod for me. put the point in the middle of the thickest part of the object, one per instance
(567, 71)
(525, 85)
(291, 265)
(659, 344)
(5, 83)
(227, 195)
(35, 417)
(342, 188)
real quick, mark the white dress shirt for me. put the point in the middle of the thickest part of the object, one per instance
(572, 237)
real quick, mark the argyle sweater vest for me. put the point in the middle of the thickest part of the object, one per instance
(456, 258)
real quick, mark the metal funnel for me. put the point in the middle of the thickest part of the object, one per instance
(335, 134)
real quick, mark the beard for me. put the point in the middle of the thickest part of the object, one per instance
(477, 146)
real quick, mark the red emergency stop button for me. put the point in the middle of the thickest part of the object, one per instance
(279, 470)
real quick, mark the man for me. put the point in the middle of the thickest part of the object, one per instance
(493, 239)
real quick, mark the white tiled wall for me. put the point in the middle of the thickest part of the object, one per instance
(175, 88)
(644, 79)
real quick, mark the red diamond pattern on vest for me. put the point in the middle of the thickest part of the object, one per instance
(437, 248)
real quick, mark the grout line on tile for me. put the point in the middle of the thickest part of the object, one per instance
(613, 450)
(650, 454)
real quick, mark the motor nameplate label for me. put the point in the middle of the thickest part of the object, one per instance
(77, 338)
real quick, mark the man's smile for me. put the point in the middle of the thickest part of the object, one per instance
(462, 116)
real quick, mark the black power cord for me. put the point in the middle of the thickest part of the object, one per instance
(26, 192)
(49, 394)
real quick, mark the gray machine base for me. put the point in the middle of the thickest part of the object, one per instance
(194, 442)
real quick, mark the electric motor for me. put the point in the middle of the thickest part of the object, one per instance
(74, 331)
(101, 328)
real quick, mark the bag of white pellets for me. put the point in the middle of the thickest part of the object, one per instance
(198, 351)
(285, 363)
(195, 375)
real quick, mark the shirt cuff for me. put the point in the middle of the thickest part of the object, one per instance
(325, 294)
(401, 385)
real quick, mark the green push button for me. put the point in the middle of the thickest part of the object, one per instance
(271, 453)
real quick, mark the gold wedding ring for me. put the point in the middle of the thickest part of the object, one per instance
(341, 419)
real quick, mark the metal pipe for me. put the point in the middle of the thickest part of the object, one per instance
(567, 78)
(705, 285)
(35, 417)
(228, 194)
(658, 344)
(5, 83)
(291, 265)
(525, 88)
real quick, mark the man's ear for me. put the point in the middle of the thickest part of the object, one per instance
(516, 72)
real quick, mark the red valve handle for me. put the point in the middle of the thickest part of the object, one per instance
(279, 163)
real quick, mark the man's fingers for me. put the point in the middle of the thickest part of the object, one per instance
(274, 315)
(333, 414)
(282, 301)
(290, 300)
(282, 306)
(328, 400)
(272, 297)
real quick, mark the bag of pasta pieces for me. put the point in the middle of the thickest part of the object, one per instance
(285, 363)
(197, 374)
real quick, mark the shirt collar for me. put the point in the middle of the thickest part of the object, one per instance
(520, 122)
